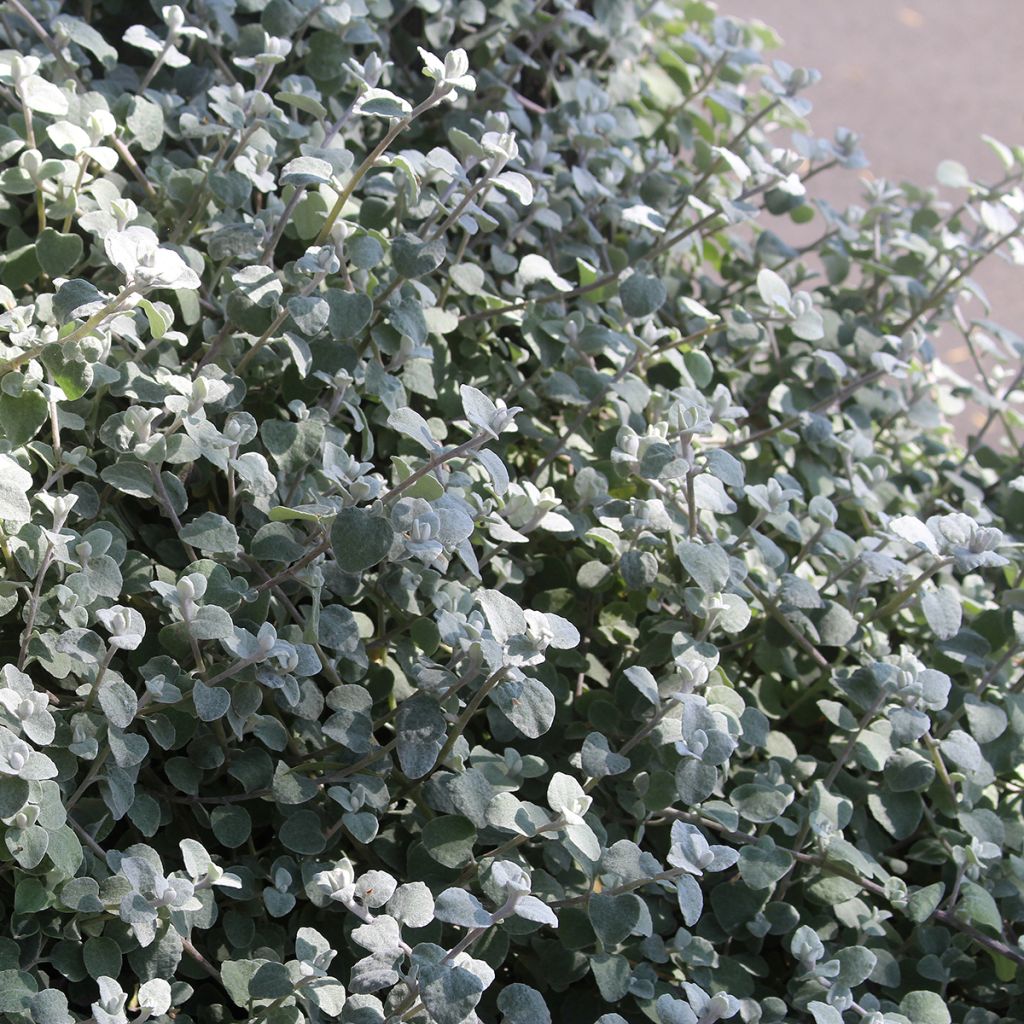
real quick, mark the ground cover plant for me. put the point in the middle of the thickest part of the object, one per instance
(461, 563)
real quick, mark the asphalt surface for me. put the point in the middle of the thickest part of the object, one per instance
(920, 83)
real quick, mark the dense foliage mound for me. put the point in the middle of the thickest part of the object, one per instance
(460, 563)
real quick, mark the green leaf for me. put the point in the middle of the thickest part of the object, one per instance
(449, 840)
(641, 295)
(102, 957)
(762, 864)
(231, 824)
(271, 981)
(21, 417)
(977, 906)
(614, 918)
(349, 313)
(303, 832)
(74, 298)
(413, 258)
(58, 253)
(922, 903)
(700, 367)
(30, 896)
(160, 318)
(74, 376)
(360, 539)
(611, 973)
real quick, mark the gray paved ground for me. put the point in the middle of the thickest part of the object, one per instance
(920, 82)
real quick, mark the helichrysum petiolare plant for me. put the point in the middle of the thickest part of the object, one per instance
(461, 562)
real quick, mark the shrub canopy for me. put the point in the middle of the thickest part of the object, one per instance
(461, 563)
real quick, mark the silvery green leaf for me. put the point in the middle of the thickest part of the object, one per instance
(456, 906)
(823, 1013)
(710, 495)
(809, 324)
(413, 258)
(580, 837)
(530, 908)
(774, 291)
(708, 564)
(614, 917)
(360, 539)
(516, 184)
(644, 216)
(211, 532)
(504, 616)
(534, 268)
(674, 1011)
(449, 992)
(943, 611)
(762, 864)
(50, 1006)
(642, 679)
(987, 721)
(521, 1004)
(421, 731)
(383, 103)
(15, 484)
(410, 423)
(962, 749)
(528, 704)
(912, 530)
(43, 97)
(211, 623)
(380, 936)
(412, 905)
(599, 760)
(304, 171)
(690, 899)
(373, 973)
(310, 313)
(211, 702)
(496, 470)
(118, 701)
(924, 1007)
